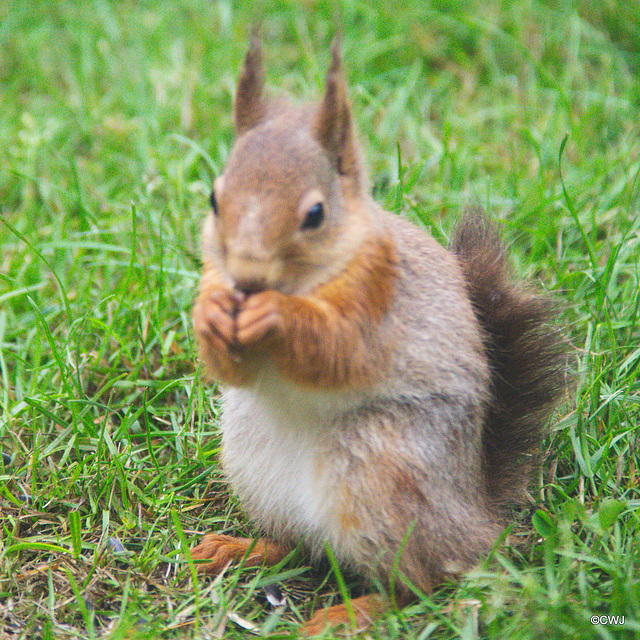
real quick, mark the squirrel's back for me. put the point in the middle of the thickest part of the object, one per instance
(439, 347)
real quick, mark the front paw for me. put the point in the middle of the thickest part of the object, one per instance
(213, 317)
(260, 317)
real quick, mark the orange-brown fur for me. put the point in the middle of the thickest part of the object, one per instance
(345, 308)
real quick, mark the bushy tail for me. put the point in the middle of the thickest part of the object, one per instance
(528, 357)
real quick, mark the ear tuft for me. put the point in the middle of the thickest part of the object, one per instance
(250, 106)
(334, 128)
(336, 55)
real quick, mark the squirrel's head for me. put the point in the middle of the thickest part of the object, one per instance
(290, 208)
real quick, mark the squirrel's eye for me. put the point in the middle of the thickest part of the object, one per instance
(214, 202)
(314, 217)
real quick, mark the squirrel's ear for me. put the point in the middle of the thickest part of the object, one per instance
(334, 127)
(250, 106)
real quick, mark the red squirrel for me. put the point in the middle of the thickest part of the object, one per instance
(381, 394)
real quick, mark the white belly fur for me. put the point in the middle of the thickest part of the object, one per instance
(272, 453)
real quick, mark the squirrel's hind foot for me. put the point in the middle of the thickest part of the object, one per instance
(223, 550)
(365, 610)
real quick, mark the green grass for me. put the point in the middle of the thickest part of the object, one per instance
(114, 119)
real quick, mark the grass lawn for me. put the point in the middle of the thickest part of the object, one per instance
(114, 119)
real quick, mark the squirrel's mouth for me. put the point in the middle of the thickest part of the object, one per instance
(250, 286)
